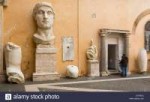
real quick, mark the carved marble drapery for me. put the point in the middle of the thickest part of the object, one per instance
(13, 56)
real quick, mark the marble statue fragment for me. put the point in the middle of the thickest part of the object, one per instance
(142, 60)
(13, 63)
(45, 55)
(93, 63)
(72, 71)
(43, 14)
(92, 52)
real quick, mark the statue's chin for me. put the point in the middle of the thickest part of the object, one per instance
(45, 26)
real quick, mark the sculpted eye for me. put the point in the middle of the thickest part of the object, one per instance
(40, 12)
(49, 12)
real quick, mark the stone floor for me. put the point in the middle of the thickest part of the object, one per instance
(113, 83)
(129, 85)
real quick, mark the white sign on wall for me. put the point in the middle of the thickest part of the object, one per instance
(68, 48)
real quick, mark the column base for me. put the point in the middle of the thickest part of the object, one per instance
(45, 76)
(128, 73)
(105, 73)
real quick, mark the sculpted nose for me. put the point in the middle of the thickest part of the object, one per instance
(45, 15)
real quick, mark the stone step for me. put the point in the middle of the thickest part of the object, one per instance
(114, 72)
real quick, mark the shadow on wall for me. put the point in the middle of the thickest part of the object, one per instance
(136, 64)
(28, 59)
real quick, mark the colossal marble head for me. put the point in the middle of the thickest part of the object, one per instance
(44, 15)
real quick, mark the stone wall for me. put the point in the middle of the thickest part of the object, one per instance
(80, 19)
(19, 28)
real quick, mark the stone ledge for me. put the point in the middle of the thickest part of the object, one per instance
(104, 73)
(92, 61)
(45, 76)
(46, 50)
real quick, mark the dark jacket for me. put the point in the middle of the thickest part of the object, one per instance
(124, 61)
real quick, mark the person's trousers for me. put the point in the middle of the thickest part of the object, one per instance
(124, 71)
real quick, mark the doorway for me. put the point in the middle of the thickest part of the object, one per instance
(112, 51)
(113, 44)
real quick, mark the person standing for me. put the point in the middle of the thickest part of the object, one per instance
(123, 65)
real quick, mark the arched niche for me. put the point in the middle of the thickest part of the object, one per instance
(147, 36)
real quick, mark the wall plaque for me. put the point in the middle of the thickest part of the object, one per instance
(68, 48)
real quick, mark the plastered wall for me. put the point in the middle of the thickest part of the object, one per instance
(80, 19)
(19, 28)
(112, 14)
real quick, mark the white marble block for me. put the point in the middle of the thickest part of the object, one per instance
(93, 68)
(45, 65)
(72, 71)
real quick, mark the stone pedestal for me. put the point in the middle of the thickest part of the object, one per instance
(93, 68)
(45, 64)
(105, 73)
